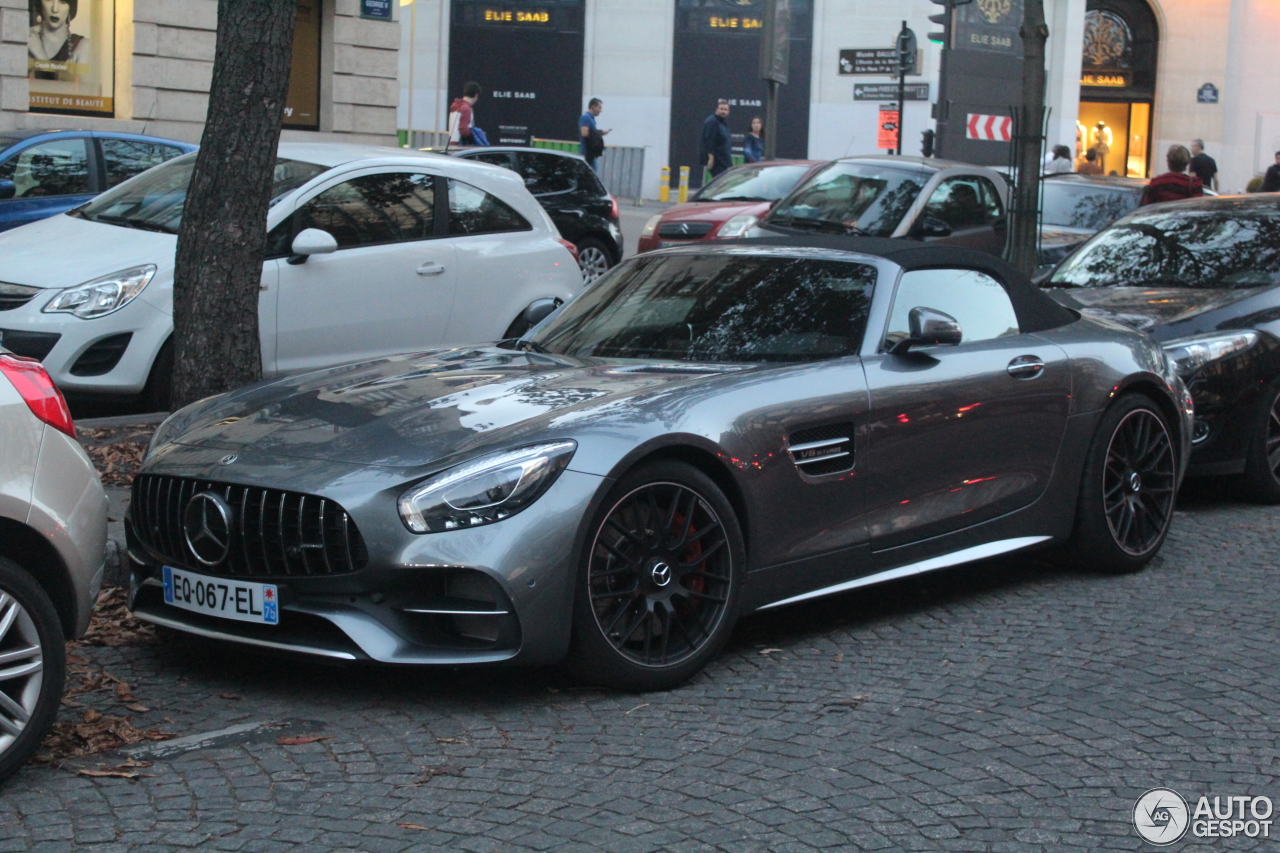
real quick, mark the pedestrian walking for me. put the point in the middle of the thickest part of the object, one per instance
(1175, 184)
(715, 150)
(1271, 182)
(591, 137)
(462, 117)
(1061, 162)
(1090, 166)
(1203, 166)
(753, 142)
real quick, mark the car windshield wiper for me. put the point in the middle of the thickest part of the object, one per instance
(738, 198)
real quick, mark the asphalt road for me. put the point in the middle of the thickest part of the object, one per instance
(1003, 706)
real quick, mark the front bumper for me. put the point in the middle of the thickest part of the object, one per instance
(1228, 396)
(501, 592)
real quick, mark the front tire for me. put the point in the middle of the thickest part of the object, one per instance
(659, 580)
(1261, 477)
(594, 259)
(33, 666)
(1128, 489)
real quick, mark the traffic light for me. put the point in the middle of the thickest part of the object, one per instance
(943, 19)
(926, 142)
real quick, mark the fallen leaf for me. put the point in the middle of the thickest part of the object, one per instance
(137, 708)
(839, 657)
(300, 740)
(769, 651)
(412, 826)
(91, 716)
(116, 774)
(234, 697)
(638, 707)
(450, 740)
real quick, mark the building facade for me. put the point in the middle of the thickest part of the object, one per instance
(1152, 72)
(144, 66)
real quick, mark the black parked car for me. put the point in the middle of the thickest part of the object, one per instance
(1203, 278)
(1075, 207)
(572, 194)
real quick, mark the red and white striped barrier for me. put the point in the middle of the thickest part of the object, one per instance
(990, 128)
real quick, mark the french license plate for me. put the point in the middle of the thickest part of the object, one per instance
(230, 599)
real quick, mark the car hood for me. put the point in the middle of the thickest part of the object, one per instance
(1062, 235)
(1146, 308)
(713, 211)
(63, 251)
(414, 410)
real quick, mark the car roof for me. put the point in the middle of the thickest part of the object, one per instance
(1252, 203)
(461, 152)
(331, 154)
(1110, 181)
(1036, 311)
(908, 160)
(23, 134)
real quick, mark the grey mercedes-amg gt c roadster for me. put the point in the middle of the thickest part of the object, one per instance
(704, 432)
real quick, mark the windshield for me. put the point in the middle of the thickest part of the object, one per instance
(765, 182)
(1084, 206)
(153, 200)
(6, 141)
(716, 308)
(851, 198)
(1179, 248)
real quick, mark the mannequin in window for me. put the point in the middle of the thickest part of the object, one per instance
(1102, 139)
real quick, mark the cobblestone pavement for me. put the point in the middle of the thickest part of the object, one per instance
(1003, 706)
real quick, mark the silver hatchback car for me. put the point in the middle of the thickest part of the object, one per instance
(53, 534)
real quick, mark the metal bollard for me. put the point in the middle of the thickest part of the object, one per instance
(683, 194)
(664, 188)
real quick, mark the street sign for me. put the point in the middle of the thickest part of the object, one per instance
(379, 10)
(887, 133)
(1208, 94)
(775, 45)
(888, 91)
(875, 60)
(990, 128)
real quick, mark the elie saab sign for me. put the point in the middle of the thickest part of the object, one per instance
(71, 56)
(989, 25)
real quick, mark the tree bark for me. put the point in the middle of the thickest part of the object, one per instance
(222, 238)
(1024, 238)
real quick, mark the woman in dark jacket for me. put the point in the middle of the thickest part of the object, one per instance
(753, 142)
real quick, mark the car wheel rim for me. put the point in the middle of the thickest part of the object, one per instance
(21, 669)
(1138, 482)
(594, 264)
(659, 575)
(1273, 438)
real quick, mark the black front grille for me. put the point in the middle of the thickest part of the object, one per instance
(274, 533)
(822, 450)
(29, 344)
(684, 230)
(15, 295)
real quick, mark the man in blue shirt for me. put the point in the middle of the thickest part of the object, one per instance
(716, 151)
(591, 144)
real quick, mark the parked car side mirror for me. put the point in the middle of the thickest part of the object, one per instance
(312, 241)
(539, 310)
(8, 189)
(927, 327)
(931, 226)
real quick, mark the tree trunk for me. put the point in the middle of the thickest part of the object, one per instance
(222, 238)
(1024, 238)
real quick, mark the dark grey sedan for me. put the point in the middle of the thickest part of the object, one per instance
(705, 432)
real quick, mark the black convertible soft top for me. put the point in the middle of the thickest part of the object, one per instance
(1036, 311)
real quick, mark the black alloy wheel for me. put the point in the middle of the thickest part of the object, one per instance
(1127, 490)
(1262, 461)
(659, 580)
(1139, 482)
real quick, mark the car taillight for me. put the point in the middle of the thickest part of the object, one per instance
(614, 202)
(38, 391)
(573, 250)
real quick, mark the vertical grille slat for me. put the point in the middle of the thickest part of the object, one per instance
(278, 531)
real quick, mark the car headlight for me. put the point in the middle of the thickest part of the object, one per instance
(484, 490)
(738, 226)
(651, 225)
(1190, 354)
(102, 296)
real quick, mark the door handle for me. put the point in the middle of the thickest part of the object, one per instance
(1026, 367)
(431, 268)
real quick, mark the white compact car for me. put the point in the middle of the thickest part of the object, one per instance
(371, 251)
(53, 536)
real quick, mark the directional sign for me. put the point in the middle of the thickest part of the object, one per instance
(990, 128)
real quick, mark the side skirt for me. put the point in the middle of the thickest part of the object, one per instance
(956, 558)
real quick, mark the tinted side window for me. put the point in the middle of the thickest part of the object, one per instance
(58, 167)
(547, 173)
(978, 301)
(124, 158)
(387, 208)
(474, 211)
(495, 158)
(964, 202)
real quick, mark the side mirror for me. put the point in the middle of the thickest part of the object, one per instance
(931, 226)
(8, 189)
(539, 310)
(312, 241)
(928, 327)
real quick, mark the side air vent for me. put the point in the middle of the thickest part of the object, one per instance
(822, 450)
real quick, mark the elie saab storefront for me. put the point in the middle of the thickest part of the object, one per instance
(146, 66)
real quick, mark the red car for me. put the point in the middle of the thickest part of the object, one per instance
(729, 205)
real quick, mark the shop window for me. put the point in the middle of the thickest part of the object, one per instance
(71, 56)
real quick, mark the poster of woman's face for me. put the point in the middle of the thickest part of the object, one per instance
(69, 54)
